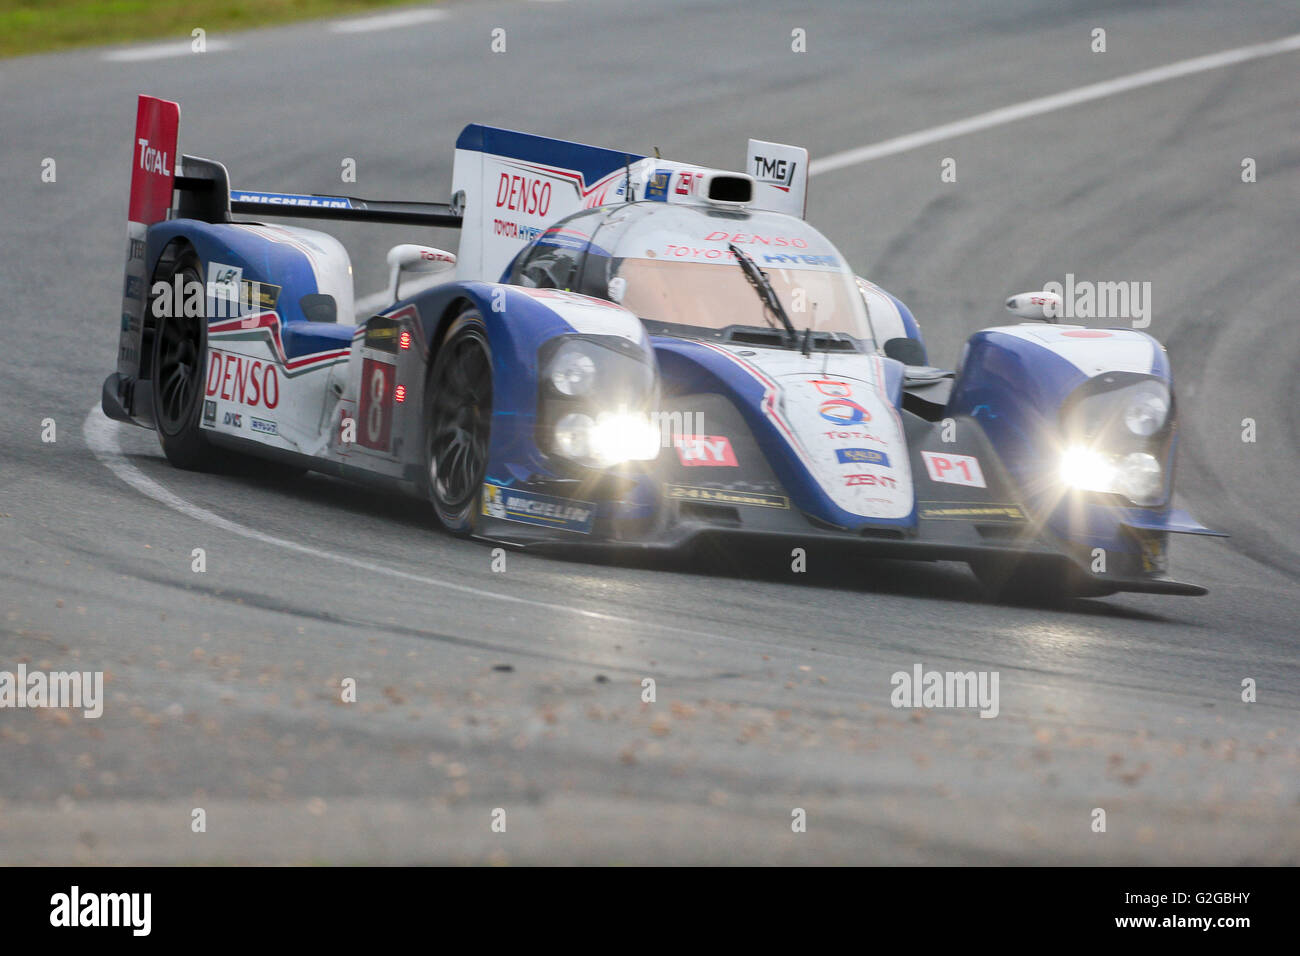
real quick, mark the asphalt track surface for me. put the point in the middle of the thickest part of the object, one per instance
(522, 690)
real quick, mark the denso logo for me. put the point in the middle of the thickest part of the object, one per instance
(236, 378)
(754, 239)
(523, 194)
(152, 160)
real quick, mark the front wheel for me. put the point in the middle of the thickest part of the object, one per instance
(458, 422)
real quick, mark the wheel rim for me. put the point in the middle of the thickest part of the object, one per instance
(459, 423)
(180, 355)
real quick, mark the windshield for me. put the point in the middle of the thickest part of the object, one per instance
(674, 266)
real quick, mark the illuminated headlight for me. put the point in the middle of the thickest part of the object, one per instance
(1147, 410)
(572, 371)
(573, 436)
(1140, 479)
(1137, 476)
(610, 438)
(1087, 470)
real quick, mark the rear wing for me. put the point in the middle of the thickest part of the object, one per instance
(507, 188)
(203, 191)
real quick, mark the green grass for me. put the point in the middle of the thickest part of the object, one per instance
(38, 26)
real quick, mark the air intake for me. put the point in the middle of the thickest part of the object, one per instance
(730, 189)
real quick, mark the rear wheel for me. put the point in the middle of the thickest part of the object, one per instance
(457, 423)
(179, 361)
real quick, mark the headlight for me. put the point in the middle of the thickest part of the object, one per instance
(1137, 476)
(1140, 479)
(593, 401)
(572, 371)
(1117, 407)
(573, 436)
(1147, 409)
(610, 438)
(1117, 432)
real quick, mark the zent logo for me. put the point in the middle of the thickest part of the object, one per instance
(843, 411)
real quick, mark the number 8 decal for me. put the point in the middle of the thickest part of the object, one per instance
(376, 398)
(375, 417)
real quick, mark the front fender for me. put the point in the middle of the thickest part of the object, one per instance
(1014, 381)
(519, 322)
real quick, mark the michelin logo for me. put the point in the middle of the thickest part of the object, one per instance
(542, 511)
(282, 199)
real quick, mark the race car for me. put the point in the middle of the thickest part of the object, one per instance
(627, 352)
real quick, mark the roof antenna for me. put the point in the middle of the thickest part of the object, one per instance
(657, 156)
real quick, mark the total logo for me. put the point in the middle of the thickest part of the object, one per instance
(844, 411)
(861, 436)
(152, 160)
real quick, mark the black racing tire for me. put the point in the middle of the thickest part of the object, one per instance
(180, 349)
(458, 423)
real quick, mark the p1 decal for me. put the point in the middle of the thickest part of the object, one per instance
(544, 511)
(954, 469)
(376, 418)
(238, 378)
(863, 456)
(843, 411)
(696, 450)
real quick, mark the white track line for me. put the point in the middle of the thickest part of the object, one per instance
(387, 21)
(1046, 104)
(101, 436)
(162, 51)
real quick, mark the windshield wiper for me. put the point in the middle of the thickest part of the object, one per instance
(758, 279)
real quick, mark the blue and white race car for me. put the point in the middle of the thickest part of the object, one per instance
(635, 353)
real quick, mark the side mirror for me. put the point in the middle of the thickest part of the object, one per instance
(1042, 306)
(411, 259)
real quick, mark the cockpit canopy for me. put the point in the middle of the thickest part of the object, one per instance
(672, 266)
